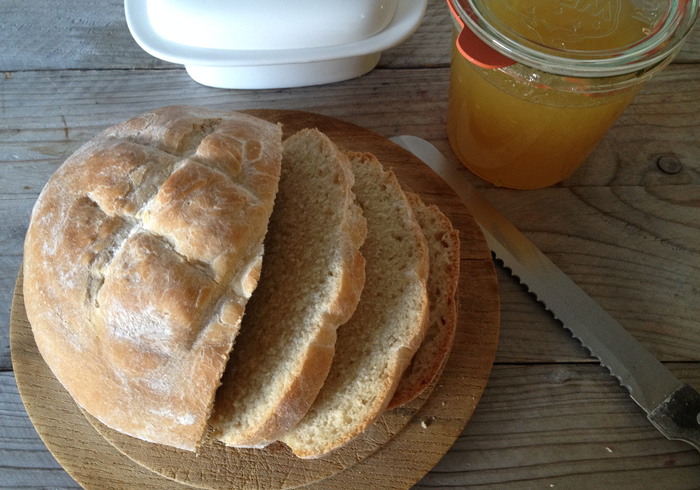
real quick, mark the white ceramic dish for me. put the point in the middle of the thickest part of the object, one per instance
(274, 24)
(347, 42)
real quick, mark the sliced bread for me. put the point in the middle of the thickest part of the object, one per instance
(311, 282)
(443, 242)
(376, 345)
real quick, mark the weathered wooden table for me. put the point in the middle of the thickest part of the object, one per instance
(624, 227)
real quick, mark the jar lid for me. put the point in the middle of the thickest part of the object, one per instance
(581, 37)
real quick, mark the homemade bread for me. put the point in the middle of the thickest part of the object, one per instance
(311, 282)
(141, 254)
(377, 343)
(443, 243)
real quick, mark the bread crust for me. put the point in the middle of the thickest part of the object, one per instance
(140, 256)
(443, 242)
(297, 385)
(328, 425)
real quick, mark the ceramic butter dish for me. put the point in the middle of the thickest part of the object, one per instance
(272, 44)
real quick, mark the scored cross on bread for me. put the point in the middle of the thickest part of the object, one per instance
(141, 254)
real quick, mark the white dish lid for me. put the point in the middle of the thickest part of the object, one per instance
(276, 65)
(272, 24)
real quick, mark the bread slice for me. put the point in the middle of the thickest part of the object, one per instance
(378, 342)
(141, 253)
(311, 282)
(443, 242)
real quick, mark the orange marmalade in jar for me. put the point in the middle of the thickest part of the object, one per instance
(536, 84)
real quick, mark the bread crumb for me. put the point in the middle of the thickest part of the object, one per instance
(608, 449)
(425, 423)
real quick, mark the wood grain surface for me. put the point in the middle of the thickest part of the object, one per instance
(82, 36)
(625, 230)
(433, 428)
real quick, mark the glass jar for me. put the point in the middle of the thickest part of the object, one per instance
(536, 84)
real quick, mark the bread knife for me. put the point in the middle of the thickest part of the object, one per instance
(671, 405)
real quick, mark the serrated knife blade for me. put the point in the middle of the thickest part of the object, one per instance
(671, 405)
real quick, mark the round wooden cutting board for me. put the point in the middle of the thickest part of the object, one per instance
(403, 445)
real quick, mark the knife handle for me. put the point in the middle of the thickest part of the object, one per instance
(678, 417)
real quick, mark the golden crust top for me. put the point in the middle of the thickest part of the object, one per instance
(141, 253)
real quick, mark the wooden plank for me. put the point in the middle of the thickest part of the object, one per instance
(90, 35)
(568, 425)
(8, 264)
(619, 245)
(429, 46)
(24, 460)
(564, 426)
(94, 35)
(45, 116)
(647, 235)
(80, 34)
(50, 109)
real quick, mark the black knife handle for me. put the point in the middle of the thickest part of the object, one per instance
(678, 417)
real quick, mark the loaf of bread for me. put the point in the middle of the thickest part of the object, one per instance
(311, 283)
(443, 243)
(141, 254)
(172, 289)
(376, 345)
